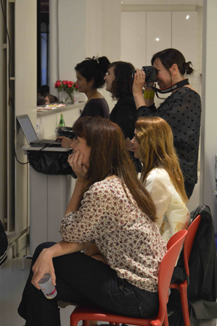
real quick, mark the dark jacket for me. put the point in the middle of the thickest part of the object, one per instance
(124, 114)
(202, 289)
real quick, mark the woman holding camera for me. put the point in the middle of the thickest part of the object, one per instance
(119, 83)
(182, 109)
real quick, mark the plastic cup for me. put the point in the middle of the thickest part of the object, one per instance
(47, 287)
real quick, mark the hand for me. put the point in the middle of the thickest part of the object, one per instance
(138, 81)
(129, 144)
(65, 142)
(75, 161)
(43, 265)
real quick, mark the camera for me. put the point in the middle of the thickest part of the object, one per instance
(150, 73)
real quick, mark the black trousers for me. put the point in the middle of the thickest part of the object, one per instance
(189, 187)
(81, 279)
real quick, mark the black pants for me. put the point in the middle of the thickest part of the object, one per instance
(189, 187)
(81, 279)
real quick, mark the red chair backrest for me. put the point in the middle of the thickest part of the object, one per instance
(192, 229)
(166, 270)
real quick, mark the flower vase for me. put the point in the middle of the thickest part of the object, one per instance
(67, 98)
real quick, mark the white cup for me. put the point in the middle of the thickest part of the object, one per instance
(47, 287)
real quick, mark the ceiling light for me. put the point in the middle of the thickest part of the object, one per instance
(188, 16)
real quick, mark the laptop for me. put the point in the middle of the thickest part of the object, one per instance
(31, 136)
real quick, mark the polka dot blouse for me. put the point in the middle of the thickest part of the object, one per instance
(182, 110)
(130, 242)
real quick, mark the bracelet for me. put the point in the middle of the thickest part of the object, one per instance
(149, 95)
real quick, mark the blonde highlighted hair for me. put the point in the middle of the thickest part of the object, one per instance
(156, 149)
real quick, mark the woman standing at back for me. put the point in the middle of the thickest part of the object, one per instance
(90, 75)
(161, 174)
(119, 83)
(182, 109)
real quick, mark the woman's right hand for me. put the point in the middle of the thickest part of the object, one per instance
(75, 161)
(138, 82)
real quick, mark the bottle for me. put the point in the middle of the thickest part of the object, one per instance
(38, 131)
(62, 122)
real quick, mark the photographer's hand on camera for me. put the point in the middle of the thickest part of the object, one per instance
(138, 85)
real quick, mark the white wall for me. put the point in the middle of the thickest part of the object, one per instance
(209, 102)
(3, 114)
(25, 97)
(81, 29)
(67, 39)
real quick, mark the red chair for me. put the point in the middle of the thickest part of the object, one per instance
(182, 287)
(164, 277)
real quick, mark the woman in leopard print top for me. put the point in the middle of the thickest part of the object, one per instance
(109, 207)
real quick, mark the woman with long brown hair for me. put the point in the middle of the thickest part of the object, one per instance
(111, 208)
(161, 173)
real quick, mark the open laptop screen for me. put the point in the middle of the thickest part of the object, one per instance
(27, 128)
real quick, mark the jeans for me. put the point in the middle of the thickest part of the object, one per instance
(81, 279)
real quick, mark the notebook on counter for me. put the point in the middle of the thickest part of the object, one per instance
(31, 136)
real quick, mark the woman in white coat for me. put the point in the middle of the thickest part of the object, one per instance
(161, 174)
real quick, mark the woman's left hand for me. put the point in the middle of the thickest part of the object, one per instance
(75, 161)
(43, 265)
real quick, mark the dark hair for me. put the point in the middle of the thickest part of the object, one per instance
(52, 98)
(44, 90)
(94, 68)
(170, 56)
(40, 100)
(109, 156)
(123, 82)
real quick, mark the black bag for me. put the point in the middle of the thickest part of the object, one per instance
(3, 244)
(53, 163)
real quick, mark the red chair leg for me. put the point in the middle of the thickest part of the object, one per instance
(85, 322)
(184, 301)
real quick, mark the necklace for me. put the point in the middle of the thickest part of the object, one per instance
(92, 95)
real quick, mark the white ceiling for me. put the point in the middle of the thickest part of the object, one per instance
(163, 2)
